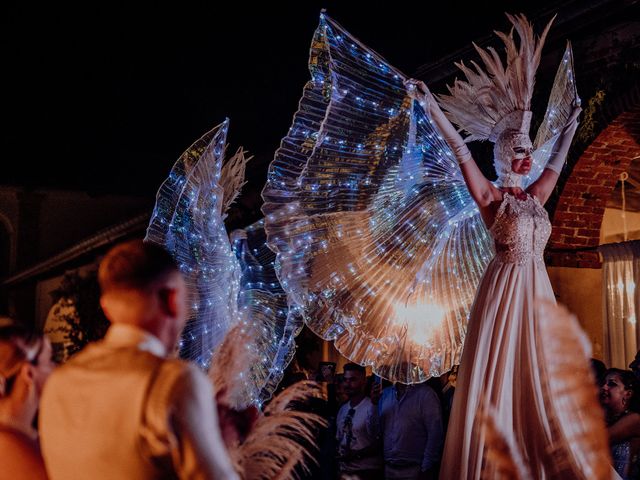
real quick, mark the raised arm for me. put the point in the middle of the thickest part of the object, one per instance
(625, 428)
(543, 187)
(482, 190)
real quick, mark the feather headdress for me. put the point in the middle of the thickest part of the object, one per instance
(494, 103)
(497, 97)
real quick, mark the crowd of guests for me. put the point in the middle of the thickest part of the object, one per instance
(397, 431)
(382, 430)
(124, 407)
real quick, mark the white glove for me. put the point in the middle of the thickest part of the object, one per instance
(561, 147)
(420, 91)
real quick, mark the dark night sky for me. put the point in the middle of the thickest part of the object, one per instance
(104, 96)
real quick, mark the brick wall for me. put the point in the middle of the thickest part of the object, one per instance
(579, 211)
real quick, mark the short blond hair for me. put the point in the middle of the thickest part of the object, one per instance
(135, 265)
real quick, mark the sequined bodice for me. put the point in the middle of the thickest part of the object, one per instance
(520, 230)
(625, 463)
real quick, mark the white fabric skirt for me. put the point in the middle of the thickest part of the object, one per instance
(499, 367)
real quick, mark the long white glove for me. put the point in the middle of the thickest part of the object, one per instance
(561, 147)
(448, 131)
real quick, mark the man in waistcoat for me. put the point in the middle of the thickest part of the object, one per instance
(121, 408)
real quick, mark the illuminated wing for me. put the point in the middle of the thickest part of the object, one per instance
(563, 97)
(271, 325)
(375, 232)
(187, 221)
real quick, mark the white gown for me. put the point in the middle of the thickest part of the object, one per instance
(499, 363)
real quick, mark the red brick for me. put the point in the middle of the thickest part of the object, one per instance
(600, 190)
(580, 208)
(572, 224)
(630, 142)
(582, 174)
(580, 241)
(562, 216)
(561, 230)
(571, 188)
(618, 149)
(594, 224)
(588, 255)
(589, 232)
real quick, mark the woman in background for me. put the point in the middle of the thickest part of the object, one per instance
(620, 397)
(25, 364)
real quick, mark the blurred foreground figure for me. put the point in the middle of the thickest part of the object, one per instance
(121, 408)
(25, 364)
(577, 447)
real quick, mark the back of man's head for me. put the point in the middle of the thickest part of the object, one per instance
(135, 265)
(141, 285)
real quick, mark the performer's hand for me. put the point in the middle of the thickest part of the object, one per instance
(421, 92)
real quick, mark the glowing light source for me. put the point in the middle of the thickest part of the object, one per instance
(421, 321)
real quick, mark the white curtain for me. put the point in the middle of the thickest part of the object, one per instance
(620, 275)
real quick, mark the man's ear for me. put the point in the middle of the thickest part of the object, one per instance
(104, 304)
(169, 300)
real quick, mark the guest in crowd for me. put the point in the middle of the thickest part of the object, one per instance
(620, 397)
(341, 395)
(359, 447)
(122, 409)
(25, 364)
(412, 431)
(326, 372)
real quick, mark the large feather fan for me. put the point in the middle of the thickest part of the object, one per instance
(577, 440)
(282, 443)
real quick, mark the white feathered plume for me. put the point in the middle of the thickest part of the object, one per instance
(502, 457)
(489, 95)
(230, 365)
(283, 438)
(232, 177)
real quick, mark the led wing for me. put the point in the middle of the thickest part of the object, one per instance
(271, 325)
(563, 97)
(375, 232)
(187, 221)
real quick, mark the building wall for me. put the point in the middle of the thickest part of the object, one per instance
(67, 217)
(42, 223)
(612, 230)
(580, 290)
